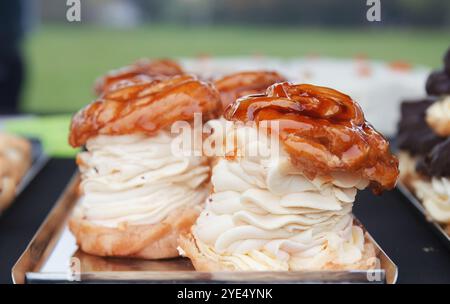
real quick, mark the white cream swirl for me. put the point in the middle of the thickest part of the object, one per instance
(438, 116)
(435, 197)
(136, 179)
(265, 215)
(440, 109)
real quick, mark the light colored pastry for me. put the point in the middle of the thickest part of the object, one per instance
(137, 195)
(7, 185)
(407, 166)
(435, 196)
(17, 152)
(438, 117)
(153, 241)
(15, 160)
(433, 192)
(288, 206)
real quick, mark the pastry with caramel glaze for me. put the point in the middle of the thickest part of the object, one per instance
(144, 106)
(140, 70)
(283, 190)
(137, 195)
(323, 130)
(239, 84)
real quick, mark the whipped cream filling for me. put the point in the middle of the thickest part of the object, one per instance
(136, 179)
(435, 197)
(440, 110)
(264, 214)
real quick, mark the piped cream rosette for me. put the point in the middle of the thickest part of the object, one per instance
(136, 179)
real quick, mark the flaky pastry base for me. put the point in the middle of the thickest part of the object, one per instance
(156, 241)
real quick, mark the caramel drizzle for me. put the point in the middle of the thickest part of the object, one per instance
(236, 85)
(145, 107)
(141, 70)
(323, 130)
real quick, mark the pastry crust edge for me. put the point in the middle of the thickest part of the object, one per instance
(155, 241)
(201, 262)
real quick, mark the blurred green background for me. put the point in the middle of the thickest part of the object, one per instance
(64, 61)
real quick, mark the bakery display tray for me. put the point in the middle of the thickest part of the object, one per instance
(53, 257)
(437, 228)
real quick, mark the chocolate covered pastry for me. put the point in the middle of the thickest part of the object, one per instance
(424, 143)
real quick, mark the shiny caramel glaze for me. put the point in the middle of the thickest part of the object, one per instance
(142, 69)
(323, 130)
(236, 85)
(145, 107)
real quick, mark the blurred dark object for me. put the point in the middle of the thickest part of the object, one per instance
(437, 162)
(447, 62)
(438, 83)
(414, 134)
(11, 61)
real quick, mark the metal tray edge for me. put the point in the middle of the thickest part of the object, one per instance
(41, 245)
(416, 203)
(41, 240)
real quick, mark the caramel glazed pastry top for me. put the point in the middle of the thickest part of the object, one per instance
(424, 142)
(137, 196)
(290, 209)
(15, 160)
(236, 85)
(142, 70)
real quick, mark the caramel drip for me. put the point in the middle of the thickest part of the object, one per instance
(141, 70)
(236, 85)
(145, 107)
(323, 130)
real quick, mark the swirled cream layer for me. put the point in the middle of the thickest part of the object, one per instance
(136, 179)
(435, 196)
(266, 215)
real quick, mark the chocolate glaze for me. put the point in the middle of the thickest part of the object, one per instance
(438, 83)
(447, 61)
(437, 162)
(414, 134)
(323, 130)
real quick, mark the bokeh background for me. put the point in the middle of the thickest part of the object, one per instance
(62, 59)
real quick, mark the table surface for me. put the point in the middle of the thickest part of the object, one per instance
(421, 256)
